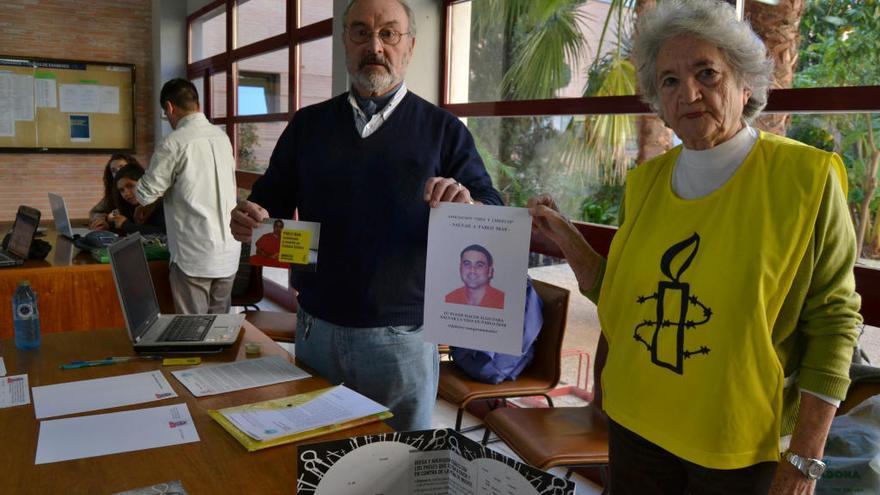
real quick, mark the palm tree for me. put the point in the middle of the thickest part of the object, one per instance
(779, 26)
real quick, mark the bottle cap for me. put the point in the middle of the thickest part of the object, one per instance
(24, 283)
(252, 349)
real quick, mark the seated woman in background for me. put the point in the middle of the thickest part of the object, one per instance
(111, 199)
(122, 219)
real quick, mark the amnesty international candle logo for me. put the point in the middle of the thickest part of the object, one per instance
(678, 310)
(286, 244)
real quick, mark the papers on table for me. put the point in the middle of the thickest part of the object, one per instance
(2, 367)
(101, 393)
(298, 417)
(239, 375)
(475, 276)
(14, 390)
(333, 405)
(126, 431)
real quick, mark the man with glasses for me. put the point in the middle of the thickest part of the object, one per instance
(367, 165)
(194, 169)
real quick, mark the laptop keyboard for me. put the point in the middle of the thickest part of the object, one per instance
(187, 328)
(6, 258)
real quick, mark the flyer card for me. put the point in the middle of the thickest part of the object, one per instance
(475, 278)
(426, 462)
(286, 244)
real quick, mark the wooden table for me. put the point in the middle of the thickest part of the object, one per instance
(217, 464)
(74, 291)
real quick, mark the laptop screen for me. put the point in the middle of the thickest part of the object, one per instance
(22, 234)
(133, 283)
(59, 213)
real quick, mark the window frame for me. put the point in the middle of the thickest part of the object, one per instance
(292, 38)
(848, 99)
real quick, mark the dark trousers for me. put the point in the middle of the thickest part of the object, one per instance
(639, 467)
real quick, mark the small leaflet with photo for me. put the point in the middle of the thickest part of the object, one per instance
(286, 244)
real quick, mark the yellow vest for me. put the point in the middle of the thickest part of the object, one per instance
(690, 295)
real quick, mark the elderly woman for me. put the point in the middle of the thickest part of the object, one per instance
(727, 301)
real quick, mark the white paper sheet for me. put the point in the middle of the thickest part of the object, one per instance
(79, 98)
(101, 393)
(108, 99)
(23, 90)
(239, 375)
(458, 271)
(14, 391)
(126, 431)
(46, 93)
(7, 106)
(338, 405)
(2, 367)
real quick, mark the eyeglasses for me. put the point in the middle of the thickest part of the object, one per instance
(361, 35)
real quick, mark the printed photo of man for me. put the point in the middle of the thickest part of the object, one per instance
(476, 272)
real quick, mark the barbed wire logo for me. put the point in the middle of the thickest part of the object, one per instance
(673, 291)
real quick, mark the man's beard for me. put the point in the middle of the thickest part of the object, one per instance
(375, 80)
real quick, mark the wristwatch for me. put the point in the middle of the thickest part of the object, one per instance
(811, 468)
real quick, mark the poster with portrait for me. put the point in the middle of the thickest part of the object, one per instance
(424, 462)
(475, 276)
(286, 244)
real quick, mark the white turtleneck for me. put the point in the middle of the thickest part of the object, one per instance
(697, 173)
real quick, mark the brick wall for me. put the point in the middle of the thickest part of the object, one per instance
(93, 30)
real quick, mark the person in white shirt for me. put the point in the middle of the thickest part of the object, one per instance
(194, 169)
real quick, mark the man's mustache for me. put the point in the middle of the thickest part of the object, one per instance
(373, 59)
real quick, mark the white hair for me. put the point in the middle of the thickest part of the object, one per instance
(711, 20)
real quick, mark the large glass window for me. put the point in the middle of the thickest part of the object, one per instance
(208, 34)
(263, 83)
(218, 95)
(513, 50)
(568, 58)
(312, 11)
(269, 64)
(256, 140)
(315, 71)
(260, 19)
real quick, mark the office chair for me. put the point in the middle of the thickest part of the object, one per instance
(538, 378)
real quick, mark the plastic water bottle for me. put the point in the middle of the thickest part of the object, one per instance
(26, 317)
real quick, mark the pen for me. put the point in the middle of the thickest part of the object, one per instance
(103, 362)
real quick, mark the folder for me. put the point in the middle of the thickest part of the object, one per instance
(285, 420)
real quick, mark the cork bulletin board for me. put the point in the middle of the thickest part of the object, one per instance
(55, 106)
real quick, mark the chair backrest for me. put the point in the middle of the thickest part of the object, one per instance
(548, 346)
(247, 289)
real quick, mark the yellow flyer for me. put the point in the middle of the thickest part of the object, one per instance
(289, 244)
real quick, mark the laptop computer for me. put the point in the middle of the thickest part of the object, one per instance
(62, 219)
(27, 220)
(153, 332)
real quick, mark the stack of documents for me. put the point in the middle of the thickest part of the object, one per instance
(238, 375)
(291, 419)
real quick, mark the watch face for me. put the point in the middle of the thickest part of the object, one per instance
(815, 470)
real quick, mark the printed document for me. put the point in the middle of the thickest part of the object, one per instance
(111, 433)
(337, 405)
(239, 375)
(475, 276)
(14, 391)
(101, 393)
